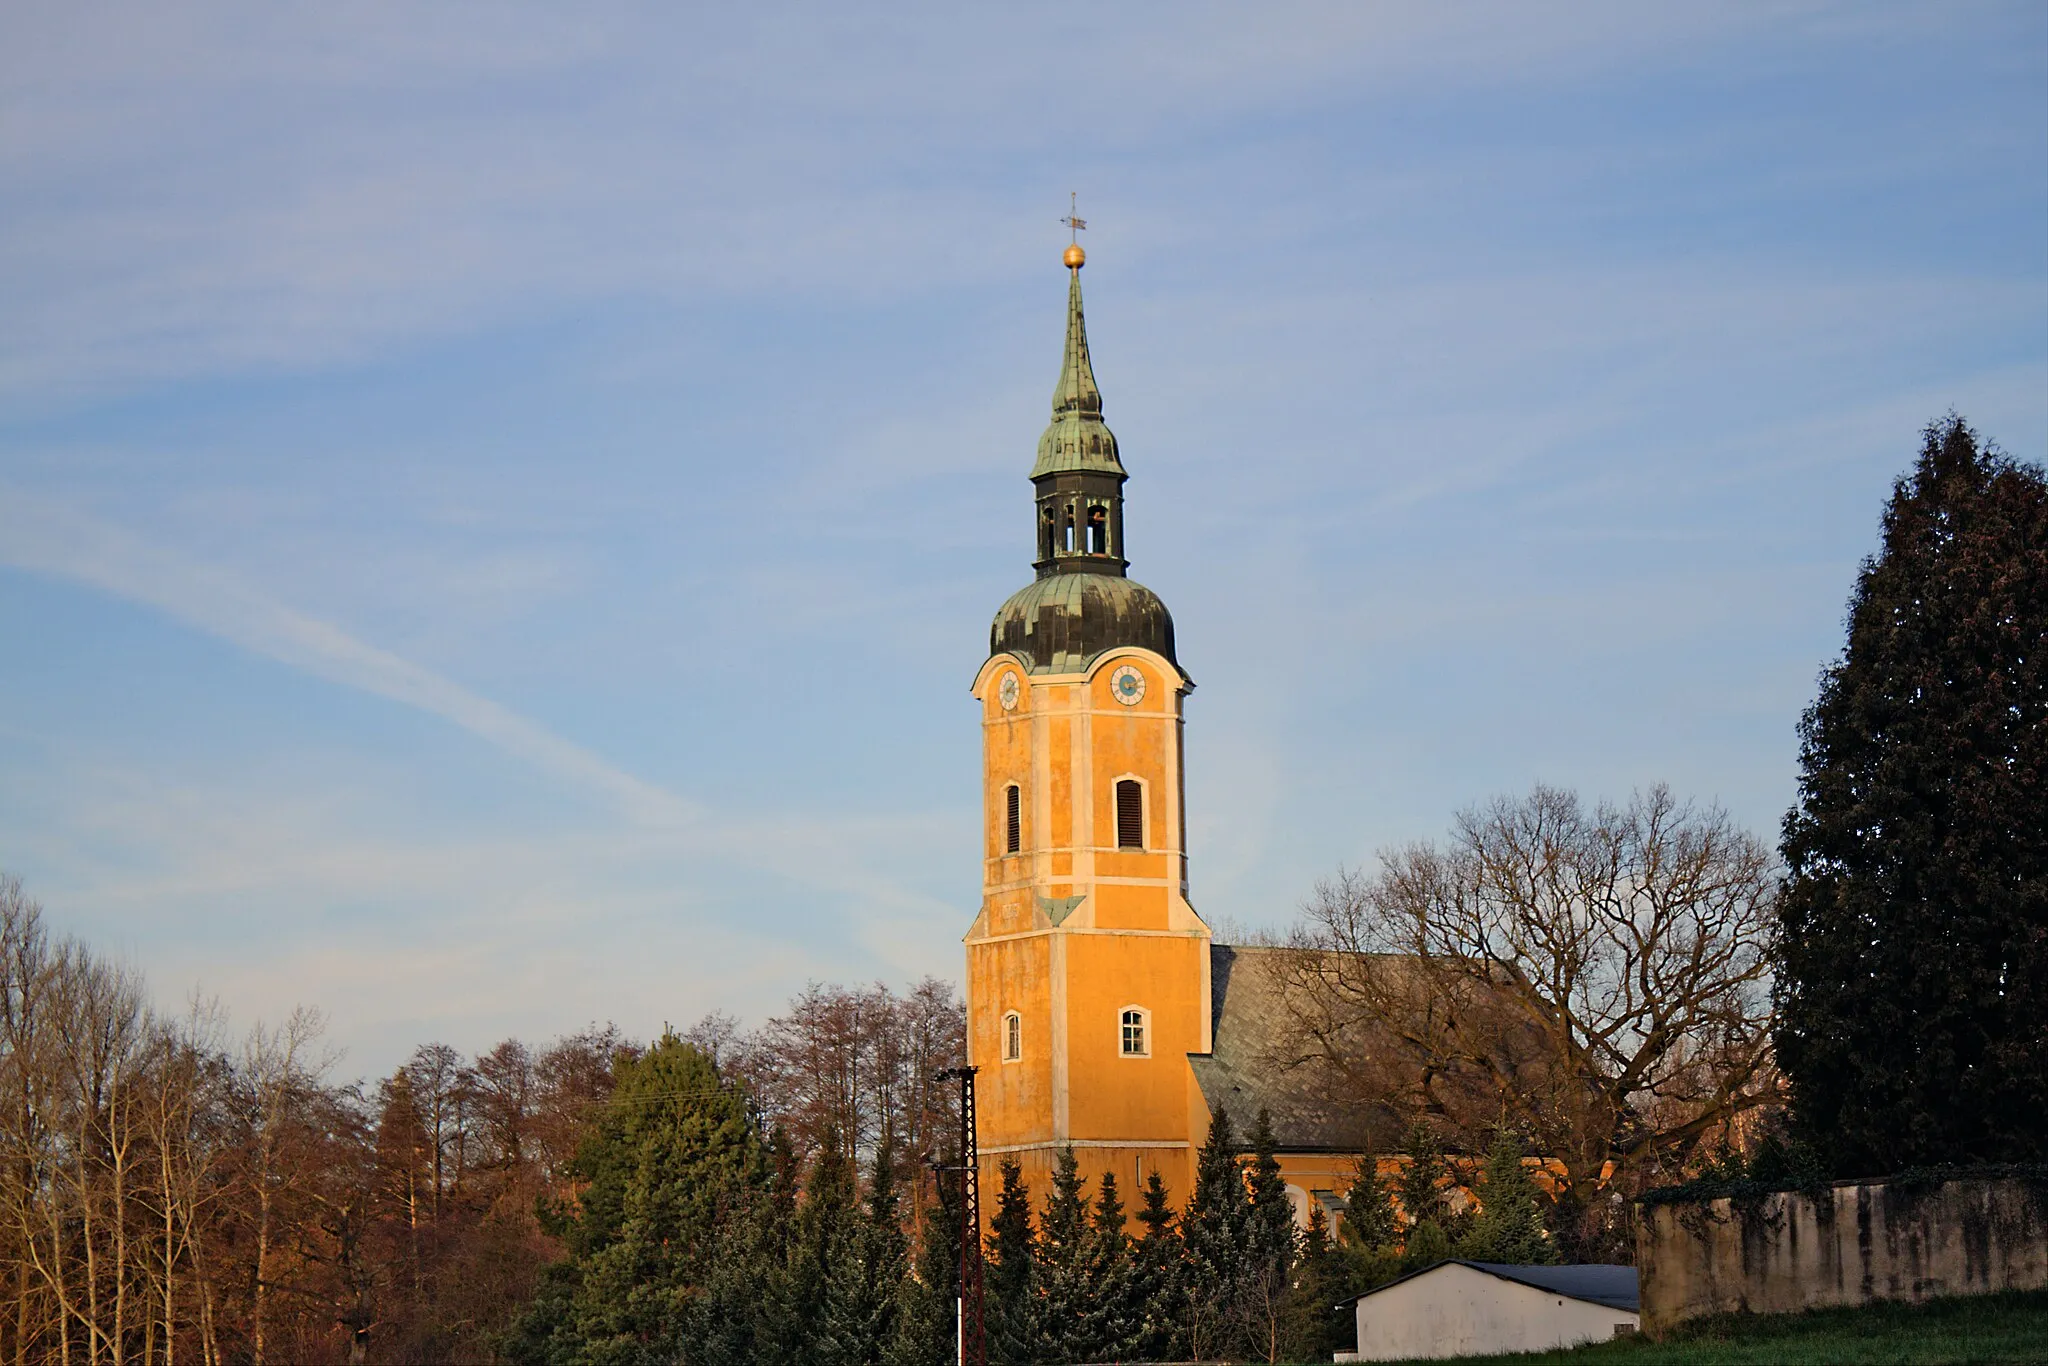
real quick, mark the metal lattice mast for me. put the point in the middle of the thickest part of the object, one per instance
(971, 1336)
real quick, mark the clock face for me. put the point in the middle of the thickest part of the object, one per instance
(1127, 685)
(1007, 690)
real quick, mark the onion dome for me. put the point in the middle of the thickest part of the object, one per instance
(1061, 623)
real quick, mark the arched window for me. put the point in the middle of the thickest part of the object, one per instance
(1098, 530)
(1130, 814)
(1013, 1037)
(1068, 522)
(1013, 819)
(1134, 1032)
(1048, 533)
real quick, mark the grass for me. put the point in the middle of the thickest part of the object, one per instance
(2009, 1327)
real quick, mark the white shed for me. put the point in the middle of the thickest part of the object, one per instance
(1465, 1308)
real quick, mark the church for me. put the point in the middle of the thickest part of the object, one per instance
(1101, 1015)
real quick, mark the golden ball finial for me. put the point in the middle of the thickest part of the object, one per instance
(1075, 257)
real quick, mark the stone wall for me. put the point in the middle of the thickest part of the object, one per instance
(1853, 1244)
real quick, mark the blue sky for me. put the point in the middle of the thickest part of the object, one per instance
(500, 505)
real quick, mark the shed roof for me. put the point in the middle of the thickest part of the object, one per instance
(1614, 1287)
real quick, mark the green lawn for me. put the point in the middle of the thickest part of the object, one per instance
(2011, 1327)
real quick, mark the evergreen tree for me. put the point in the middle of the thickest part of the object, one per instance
(927, 1326)
(1216, 1232)
(1510, 1223)
(1270, 1247)
(864, 1287)
(1426, 1246)
(1369, 1220)
(746, 1314)
(673, 1154)
(1367, 1250)
(1116, 1319)
(1011, 1283)
(1159, 1281)
(1915, 906)
(1066, 1299)
(1422, 1183)
(1312, 1327)
(827, 1218)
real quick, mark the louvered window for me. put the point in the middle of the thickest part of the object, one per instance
(1013, 819)
(1130, 814)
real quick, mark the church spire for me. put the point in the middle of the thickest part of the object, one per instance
(1076, 391)
(1079, 478)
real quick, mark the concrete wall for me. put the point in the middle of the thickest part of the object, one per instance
(1854, 1244)
(1455, 1311)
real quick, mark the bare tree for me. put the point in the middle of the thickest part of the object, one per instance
(281, 1067)
(1598, 979)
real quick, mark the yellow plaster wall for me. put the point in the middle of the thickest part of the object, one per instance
(1066, 743)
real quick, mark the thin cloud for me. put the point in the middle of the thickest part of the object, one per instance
(46, 537)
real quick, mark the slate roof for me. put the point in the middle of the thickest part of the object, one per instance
(1613, 1287)
(1243, 1075)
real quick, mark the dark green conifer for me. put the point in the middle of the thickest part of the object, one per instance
(1312, 1326)
(1426, 1246)
(926, 1327)
(1270, 1245)
(1066, 1299)
(674, 1153)
(1116, 1317)
(1160, 1278)
(1369, 1220)
(1215, 1230)
(1423, 1183)
(1510, 1226)
(1012, 1290)
(864, 1289)
(1915, 907)
(822, 1239)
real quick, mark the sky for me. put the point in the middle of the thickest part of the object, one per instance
(501, 504)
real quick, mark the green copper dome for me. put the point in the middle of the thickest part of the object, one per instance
(1060, 623)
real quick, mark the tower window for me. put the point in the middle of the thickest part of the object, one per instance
(1134, 1032)
(1013, 819)
(1013, 1037)
(1130, 814)
(1098, 531)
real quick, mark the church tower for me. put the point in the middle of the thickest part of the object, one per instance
(1088, 972)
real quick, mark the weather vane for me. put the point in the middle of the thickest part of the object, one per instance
(1075, 223)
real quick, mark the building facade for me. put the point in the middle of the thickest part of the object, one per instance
(1100, 1015)
(1087, 968)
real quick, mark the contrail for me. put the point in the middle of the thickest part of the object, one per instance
(45, 537)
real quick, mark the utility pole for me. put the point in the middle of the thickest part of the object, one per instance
(967, 1306)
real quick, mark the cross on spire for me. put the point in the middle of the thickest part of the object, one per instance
(1075, 223)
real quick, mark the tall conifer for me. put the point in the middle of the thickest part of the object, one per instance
(864, 1286)
(1065, 1297)
(1216, 1233)
(1012, 1290)
(1510, 1223)
(1116, 1318)
(1270, 1245)
(1159, 1281)
(1915, 906)
(1422, 1183)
